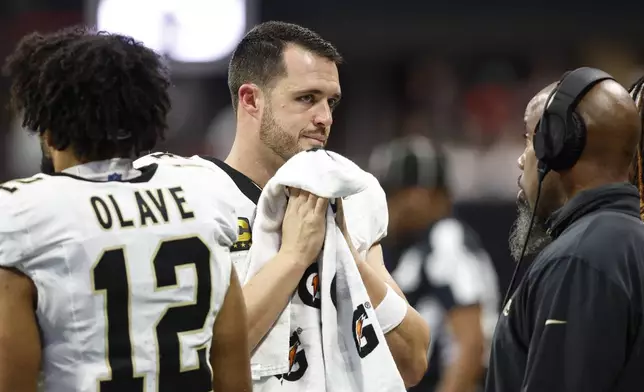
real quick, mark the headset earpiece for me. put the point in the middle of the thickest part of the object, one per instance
(561, 135)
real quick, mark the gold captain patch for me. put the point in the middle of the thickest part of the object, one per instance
(244, 237)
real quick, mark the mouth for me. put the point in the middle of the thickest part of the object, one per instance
(320, 139)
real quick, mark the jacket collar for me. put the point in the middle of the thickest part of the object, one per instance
(618, 197)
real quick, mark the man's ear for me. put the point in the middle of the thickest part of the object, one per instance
(250, 99)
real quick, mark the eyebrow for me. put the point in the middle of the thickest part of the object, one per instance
(337, 96)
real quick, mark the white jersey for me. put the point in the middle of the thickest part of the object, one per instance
(130, 275)
(367, 220)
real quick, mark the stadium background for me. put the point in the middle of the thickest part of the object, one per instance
(458, 72)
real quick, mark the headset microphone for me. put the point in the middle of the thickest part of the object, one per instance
(542, 170)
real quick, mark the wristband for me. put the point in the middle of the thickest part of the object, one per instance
(391, 311)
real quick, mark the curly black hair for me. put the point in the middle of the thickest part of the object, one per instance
(637, 178)
(102, 95)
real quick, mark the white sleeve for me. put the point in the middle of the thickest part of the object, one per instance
(453, 265)
(367, 216)
(13, 234)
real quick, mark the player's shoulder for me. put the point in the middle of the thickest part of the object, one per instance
(453, 236)
(21, 205)
(366, 214)
(167, 159)
(195, 168)
(448, 232)
(371, 199)
(202, 169)
(21, 192)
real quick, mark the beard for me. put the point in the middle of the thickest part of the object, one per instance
(46, 163)
(538, 239)
(276, 138)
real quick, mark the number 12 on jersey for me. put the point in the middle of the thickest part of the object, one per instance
(110, 277)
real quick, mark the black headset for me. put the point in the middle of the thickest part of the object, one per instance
(560, 135)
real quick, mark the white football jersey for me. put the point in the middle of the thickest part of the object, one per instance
(130, 274)
(367, 219)
(243, 193)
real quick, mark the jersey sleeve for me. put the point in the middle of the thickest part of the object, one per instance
(13, 234)
(367, 215)
(454, 266)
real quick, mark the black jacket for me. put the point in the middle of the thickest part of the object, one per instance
(574, 323)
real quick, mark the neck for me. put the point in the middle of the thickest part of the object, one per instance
(63, 160)
(251, 158)
(576, 181)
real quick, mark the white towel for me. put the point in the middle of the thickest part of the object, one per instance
(356, 354)
(325, 174)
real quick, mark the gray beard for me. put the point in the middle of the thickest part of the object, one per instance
(520, 230)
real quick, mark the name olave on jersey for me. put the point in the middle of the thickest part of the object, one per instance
(152, 208)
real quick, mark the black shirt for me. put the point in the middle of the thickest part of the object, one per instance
(575, 321)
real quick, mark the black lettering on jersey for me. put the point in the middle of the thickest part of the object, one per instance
(7, 188)
(125, 223)
(175, 192)
(364, 336)
(145, 212)
(11, 189)
(110, 277)
(159, 203)
(244, 236)
(297, 362)
(309, 287)
(102, 212)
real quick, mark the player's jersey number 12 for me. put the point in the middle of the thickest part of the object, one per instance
(110, 277)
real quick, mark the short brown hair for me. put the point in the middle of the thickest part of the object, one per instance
(258, 58)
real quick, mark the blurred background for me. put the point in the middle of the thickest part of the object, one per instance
(458, 72)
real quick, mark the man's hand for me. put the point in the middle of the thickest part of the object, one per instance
(268, 292)
(304, 225)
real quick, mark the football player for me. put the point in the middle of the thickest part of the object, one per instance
(284, 85)
(112, 278)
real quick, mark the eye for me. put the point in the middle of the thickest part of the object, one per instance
(333, 102)
(309, 98)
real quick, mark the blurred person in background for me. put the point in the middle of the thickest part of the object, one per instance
(91, 297)
(438, 262)
(284, 85)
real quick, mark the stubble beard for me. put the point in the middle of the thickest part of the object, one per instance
(538, 239)
(276, 138)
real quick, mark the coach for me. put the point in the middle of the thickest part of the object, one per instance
(574, 323)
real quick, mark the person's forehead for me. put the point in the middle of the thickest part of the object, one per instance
(305, 67)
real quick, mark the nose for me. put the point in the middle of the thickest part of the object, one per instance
(323, 115)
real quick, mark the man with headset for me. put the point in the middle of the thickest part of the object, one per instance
(574, 322)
